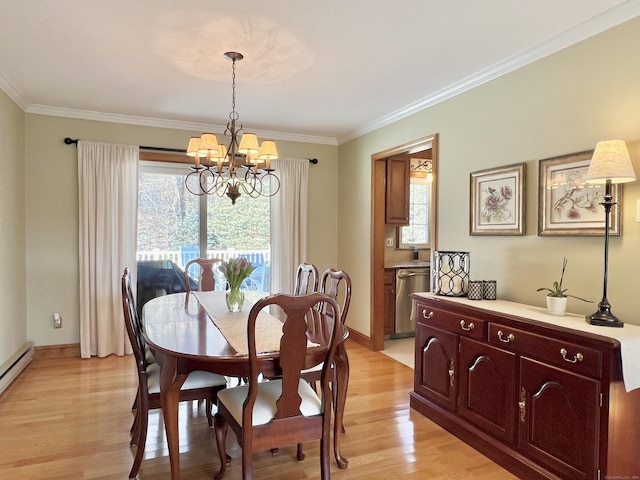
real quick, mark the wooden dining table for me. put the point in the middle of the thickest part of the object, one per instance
(184, 338)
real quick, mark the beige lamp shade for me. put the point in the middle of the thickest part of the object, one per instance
(208, 145)
(249, 143)
(268, 150)
(610, 161)
(194, 145)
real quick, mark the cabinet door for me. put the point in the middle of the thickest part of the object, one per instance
(397, 191)
(435, 372)
(487, 389)
(389, 301)
(559, 419)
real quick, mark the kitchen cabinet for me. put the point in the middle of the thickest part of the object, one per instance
(389, 300)
(397, 190)
(543, 400)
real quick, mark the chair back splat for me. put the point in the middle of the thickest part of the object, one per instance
(286, 410)
(206, 277)
(306, 279)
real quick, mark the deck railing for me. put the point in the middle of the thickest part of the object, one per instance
(181, 257)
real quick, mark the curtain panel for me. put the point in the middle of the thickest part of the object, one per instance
(289, 222)
(108, 198)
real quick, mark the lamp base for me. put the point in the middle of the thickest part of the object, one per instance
(604, 318)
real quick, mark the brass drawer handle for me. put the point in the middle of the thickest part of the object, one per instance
(578, 357)
(510, 337)
(427, 315)
(465, 328)
(452, 372)
(522, 405)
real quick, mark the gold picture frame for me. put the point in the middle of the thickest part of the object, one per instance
(497, 201)
(567, 205)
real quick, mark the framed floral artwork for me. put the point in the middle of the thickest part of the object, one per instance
(497, 201)
(567, 205)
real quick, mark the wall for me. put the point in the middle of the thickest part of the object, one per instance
(13, 320)
(52, 211)
(561, 104)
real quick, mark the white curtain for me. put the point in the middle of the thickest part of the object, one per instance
(108, 199)
(288, 222)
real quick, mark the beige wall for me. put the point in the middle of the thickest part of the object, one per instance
(558, 105)
(52, 211)
(13, 320)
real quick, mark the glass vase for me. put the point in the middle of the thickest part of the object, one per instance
(235, 299)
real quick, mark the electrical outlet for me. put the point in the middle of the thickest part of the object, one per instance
(390, 242)
(57, 320)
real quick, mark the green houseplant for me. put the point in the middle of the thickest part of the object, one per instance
(557, 296)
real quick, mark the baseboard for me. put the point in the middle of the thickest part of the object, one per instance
(10, 369)
(360, 339)
(71, 350)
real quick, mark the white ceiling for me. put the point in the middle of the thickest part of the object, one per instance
(323, 71)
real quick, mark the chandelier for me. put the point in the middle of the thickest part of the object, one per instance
(242, 167)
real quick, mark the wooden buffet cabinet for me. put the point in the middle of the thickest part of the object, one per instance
(540, 398)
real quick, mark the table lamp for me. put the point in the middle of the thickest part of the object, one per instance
(610, 164)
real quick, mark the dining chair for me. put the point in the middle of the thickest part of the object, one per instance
(286, 410)
(197, 386)
(336, 284)
(306, 280)
(206, 275)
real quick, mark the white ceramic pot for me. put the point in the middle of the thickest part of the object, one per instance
(557, 306)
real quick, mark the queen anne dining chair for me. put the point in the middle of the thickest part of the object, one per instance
(306, 280)
(206, 275)
(286, 410)
(197, 386)
(336, 284)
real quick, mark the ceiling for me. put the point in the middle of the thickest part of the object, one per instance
(320, 71)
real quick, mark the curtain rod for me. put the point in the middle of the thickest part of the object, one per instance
(71, 141)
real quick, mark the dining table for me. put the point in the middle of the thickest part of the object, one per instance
(193, 333)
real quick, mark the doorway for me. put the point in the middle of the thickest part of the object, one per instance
(378, 226)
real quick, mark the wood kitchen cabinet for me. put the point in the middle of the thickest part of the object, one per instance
(397, 191)
(543, 400)
(389, 300)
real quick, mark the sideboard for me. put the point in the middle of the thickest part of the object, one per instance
(540, 395)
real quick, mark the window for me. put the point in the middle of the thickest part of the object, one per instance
(175, 226)
(417, 232)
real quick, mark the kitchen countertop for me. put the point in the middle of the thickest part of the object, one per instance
(408, 264)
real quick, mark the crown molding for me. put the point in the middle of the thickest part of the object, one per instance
(589, 28)
(173, 124)
(11, 92)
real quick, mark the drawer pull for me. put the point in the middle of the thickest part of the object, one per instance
(451, 373)
(522, 405)
(578, 357)
(510, 338)
(427, 315)
(466, 328)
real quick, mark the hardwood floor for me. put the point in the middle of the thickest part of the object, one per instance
(69, 419)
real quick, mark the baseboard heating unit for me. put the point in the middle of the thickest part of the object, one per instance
(10, 369)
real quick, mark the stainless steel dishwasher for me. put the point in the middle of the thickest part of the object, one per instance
(408, 280)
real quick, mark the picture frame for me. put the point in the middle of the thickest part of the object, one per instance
(567, 205)
(497, 201)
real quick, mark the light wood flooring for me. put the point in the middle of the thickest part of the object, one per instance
(69, 419)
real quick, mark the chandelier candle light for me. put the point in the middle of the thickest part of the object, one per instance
(610, 164)
(242, 167)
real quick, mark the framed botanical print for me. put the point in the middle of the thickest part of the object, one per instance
(497, 201)
(567, 205)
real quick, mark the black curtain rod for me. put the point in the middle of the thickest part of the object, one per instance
(71, 141)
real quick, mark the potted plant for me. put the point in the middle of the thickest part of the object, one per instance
(556, 296)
